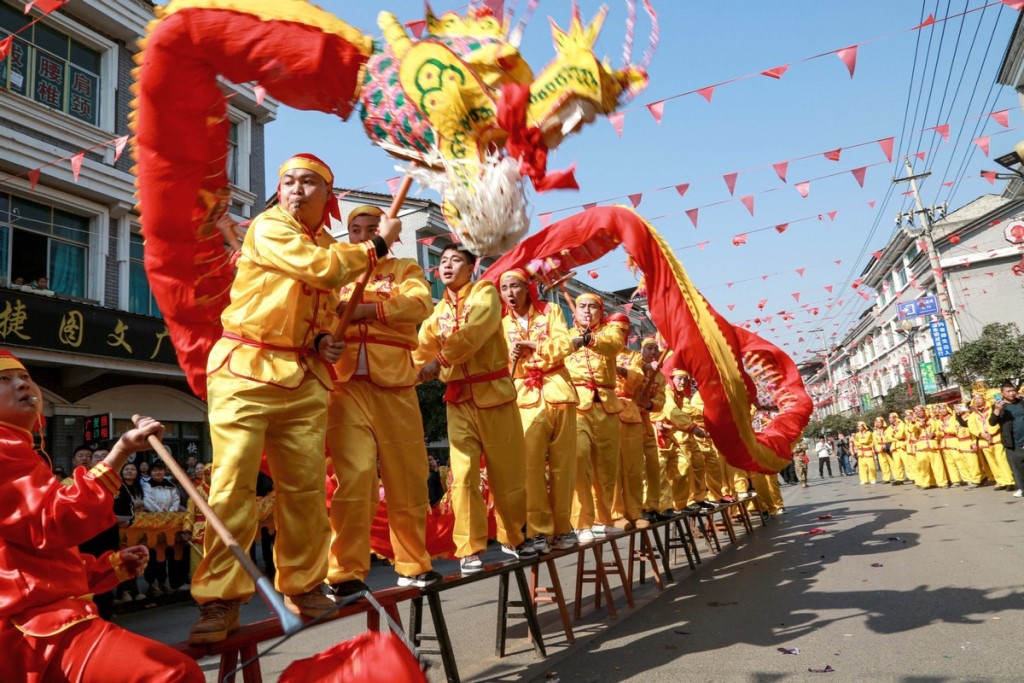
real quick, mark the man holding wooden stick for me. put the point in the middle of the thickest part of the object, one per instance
(268, 379)
(376, 379)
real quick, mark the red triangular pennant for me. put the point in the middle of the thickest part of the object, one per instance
(730, 182)
(990, 176)
(707, 92)
(877, 254)
(628, 306)
(657, 109)
(1014, 4)
(834, 154)
(803, 188)
(427, 240)
(45, 6)
(417, 27)
(838, 261)
(33, 178)
(943, 130)
(1001, 117)
(618, 121)
(5, 47)
(781, 227)
(260, 93)
(393, 184)
(545, 219)
(729, 285)
(730, 306)
(832, 215)
(828, 288)
(702, 244)
(982, 143)
(781, 168)
(635, 199)
(886, 146)
(920, 155)
(692, 214)
(848, 55)
(858, 173)
(748, 201)
(682, 188)
(593, 274)
(801, 271)
(872, 203)
(739, 239)
(76, 164)
(776, 72)
(927, 22)
(119, 146)
(796, 295)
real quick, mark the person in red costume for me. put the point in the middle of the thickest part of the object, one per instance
(50, 629)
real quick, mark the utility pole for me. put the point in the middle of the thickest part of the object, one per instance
(828, 368)
(925, 232)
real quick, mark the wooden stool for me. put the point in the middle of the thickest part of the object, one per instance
(599, 577)
(440, 635)
(683, 538)
(526, 603)
(551, 594)
(644, 555)
(707, 530)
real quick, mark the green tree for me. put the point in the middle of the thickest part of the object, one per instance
(901, 397)
(433, 410)
(996, 356)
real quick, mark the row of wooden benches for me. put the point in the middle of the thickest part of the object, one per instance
(658, 542)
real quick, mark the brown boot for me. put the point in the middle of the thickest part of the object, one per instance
(310, 604)
(217, 620)
(623, 524)
(642, 523)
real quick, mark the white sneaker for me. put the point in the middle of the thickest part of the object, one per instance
(780, 511)
(743, 495)
(603, 530)
(184, 588)
(1018, 494)
(585, 536)
(471, 564)
(523, 551)
(565, 541)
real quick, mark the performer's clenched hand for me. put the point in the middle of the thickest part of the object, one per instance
(522, 348)
(134, 559)
(429, 371)
(329, 349)
(389, 229)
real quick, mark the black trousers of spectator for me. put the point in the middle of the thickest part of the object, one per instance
(822, 464)
(1015, 456)
(789, 474)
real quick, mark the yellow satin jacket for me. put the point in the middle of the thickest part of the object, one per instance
(282, 298)
(592, 368)
(399, 290)
(464, 334)
(627, 387)
(541, 373)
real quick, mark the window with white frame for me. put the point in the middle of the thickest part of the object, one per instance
(50, 67)
(239, 149)
(43, 247)
(140, 295)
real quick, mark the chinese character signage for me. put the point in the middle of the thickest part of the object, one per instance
(97, 428)
(49, 88)
(14, 68)
(940, 339)
(928, 378)
(926, 305)
(83, 95)
(57, 325)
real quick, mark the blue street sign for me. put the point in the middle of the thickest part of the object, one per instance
(926, 305)
(940, 339)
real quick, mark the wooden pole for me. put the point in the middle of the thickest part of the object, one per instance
(290, 623)
(357, 293)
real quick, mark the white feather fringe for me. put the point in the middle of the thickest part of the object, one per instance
(492, 215)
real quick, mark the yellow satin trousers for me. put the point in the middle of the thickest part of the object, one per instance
(550, 433)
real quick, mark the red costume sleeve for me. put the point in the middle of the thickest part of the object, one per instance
(38, 511)
(100, 572)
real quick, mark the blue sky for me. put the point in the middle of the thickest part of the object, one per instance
(752, 124)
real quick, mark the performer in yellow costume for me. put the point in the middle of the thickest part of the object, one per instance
(652, 401)
(888, 462)
(715, 485)
(375, 379)
(677, 421)
(592, 369)
(267, 393)
(895, 435)
(949, 442)
(627, 501)
(990, 445)
(864, 446)
(925, 433)
(539, 342)
(462, 342)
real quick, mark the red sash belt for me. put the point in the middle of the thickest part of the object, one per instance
(535, 377)
(593, 386)
(453, 392)
(302, 351)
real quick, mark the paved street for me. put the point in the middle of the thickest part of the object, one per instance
(902, 585)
